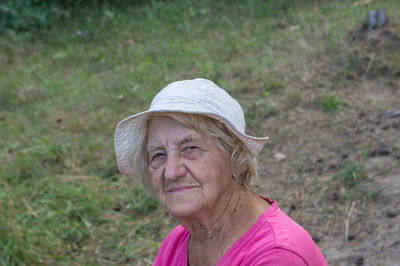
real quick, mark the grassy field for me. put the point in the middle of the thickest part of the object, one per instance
(63, 90)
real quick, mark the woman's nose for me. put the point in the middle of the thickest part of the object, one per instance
(174, 167)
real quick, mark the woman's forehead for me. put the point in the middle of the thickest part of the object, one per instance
(163, 122)
(161, 129)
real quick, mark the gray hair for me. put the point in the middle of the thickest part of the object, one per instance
(242, 160)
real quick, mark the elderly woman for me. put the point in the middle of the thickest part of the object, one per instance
(191, 152)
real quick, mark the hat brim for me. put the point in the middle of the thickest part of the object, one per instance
(128, 130)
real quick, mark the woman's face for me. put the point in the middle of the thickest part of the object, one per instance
(189, 174)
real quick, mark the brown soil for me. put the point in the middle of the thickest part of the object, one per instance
(352, 223)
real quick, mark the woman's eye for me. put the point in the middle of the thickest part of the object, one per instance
(191, 152)
(157, 155)
(157, 160)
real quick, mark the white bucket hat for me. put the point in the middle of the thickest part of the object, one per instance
(197, 96)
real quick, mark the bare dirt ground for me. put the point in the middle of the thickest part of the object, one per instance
(355, 218)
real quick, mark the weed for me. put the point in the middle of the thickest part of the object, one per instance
(271, 86)
(349, 67)
(367, 151)
(331, 103)
(353, 177)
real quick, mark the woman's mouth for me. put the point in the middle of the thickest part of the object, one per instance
(179, 189)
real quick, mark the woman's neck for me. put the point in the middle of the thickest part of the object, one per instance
(212, 232)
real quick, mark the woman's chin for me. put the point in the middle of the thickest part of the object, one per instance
(182, 210)
(183, 203)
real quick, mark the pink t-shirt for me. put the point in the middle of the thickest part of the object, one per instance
(273, 239)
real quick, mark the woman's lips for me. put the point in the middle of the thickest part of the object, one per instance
(180, 189)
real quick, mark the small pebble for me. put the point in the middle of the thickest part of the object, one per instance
(360, 261)
(381, 17)
(396, 243)
(383, 152)
(332, 166)
(391, 214)
(385, 127)
(371, 20)
(335, 196)
(263, 170)
(279, 156)
(394, 114)
(308, 170)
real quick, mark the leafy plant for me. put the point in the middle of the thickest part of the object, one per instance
(331, 103)
(353, 177)
(34, 15)
(27, 15)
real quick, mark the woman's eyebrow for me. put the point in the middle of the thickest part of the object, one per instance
(189, 138)
(153, 148)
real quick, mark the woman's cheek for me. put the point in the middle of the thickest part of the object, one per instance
(155, 180)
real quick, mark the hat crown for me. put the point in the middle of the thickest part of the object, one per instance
(200, 96)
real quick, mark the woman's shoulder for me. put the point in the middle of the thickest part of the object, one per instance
(275, 237)
(179, 230)
(179, 236)
(290, 237)
(173, 250)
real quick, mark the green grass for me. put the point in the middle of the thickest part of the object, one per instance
(62, 200)
(59, 218)
(331, 103)
(353, 177)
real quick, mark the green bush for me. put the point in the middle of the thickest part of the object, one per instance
(34, 15)
(30, 15)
